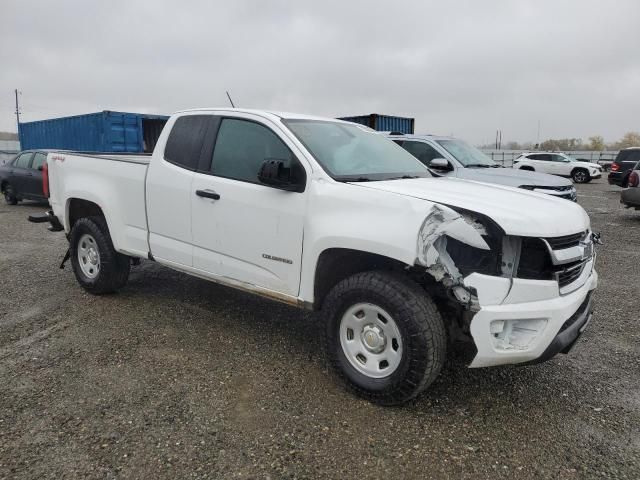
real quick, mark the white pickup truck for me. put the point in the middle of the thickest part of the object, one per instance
(331, 216)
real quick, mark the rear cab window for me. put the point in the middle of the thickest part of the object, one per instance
(184, 145)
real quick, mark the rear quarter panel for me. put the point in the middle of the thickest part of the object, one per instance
(117, 187)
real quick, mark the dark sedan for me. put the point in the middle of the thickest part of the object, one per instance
(21, 178)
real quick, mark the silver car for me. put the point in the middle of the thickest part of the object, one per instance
(630, 196)
(453, 157)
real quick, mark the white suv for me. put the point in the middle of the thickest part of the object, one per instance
(558, 164)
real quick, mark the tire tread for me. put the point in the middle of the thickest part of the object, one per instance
(114, 266)
(422, 320)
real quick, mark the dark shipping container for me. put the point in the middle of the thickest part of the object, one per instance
(384, 123)
(95, 132)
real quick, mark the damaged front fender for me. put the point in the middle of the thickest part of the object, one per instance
(439, 225)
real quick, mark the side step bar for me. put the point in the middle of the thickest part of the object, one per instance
(49, 217)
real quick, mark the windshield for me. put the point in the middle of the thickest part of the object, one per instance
(467, 155)
(351, 152)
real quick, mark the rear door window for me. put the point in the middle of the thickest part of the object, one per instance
(38, 160)
(184, 145)
(23, 160)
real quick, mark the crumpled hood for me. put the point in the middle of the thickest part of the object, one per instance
(517, 211)
(512, 177)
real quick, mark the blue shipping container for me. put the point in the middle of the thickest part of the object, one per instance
(384, 123)
(95, 132)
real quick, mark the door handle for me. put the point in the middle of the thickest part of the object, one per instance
(208, 194)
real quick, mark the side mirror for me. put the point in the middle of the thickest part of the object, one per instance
(276, 173)
(439, 163)
(40, 168)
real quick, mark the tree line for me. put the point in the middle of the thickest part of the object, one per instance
(594, 143)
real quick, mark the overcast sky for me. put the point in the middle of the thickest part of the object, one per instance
(459, 67)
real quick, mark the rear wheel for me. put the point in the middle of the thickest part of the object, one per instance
(96, 264)
(10, 195)
(580, 175)
(384, 336)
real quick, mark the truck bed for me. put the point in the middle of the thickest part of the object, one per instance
(94, 177)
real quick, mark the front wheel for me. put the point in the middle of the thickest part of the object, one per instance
(384, 336)
(580, 175)
(96, 264)
(10, 195)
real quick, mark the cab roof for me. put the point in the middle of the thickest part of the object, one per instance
(263, 113)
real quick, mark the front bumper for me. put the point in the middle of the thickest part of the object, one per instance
(532, 324)
(569, 332)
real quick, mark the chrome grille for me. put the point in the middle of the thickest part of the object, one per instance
(566, 241)
(570, 273)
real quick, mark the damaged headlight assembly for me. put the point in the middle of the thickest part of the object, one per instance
(454, 243)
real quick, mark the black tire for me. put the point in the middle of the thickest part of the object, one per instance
(114, 267)
(625, 181)
(9, 195)
(422, 331)
(580, 175)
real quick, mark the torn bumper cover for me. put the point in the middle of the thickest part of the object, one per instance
(532, 324)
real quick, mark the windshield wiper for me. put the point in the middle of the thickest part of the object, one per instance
(478, 165)
(403, 177)
(354, 179)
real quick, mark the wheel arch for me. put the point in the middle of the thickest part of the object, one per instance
(335, 264)
(77, 208)
(575, 169)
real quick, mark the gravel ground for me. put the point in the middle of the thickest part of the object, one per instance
(178, 377)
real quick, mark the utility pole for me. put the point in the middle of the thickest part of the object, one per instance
(17, 111)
